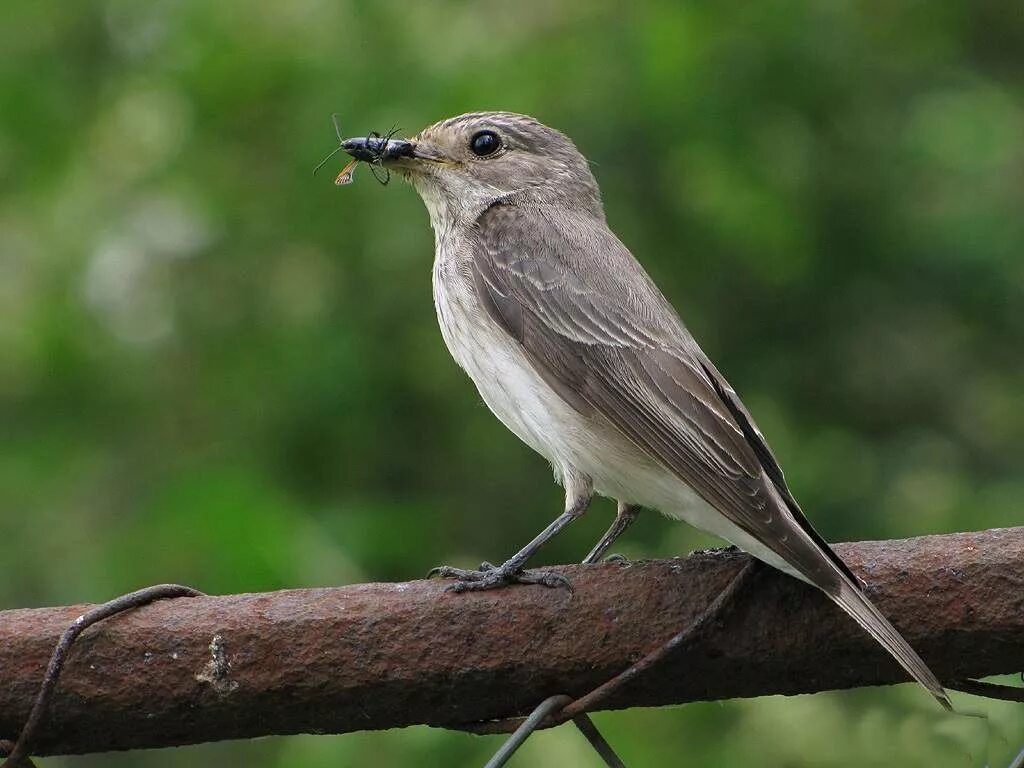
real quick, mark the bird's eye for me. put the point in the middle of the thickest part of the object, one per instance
(484, 143)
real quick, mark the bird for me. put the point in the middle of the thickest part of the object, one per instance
(577, 352)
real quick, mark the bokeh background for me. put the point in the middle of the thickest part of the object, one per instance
(222, 371)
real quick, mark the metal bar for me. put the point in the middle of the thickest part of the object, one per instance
(374, 656)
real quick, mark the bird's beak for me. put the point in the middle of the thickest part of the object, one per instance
(375, 149)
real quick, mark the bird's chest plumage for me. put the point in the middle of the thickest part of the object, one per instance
(495, 362)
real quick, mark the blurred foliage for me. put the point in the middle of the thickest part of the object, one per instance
(222, 371)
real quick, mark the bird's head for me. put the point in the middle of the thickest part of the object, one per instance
(463, 164)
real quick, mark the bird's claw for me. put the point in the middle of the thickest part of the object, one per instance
(491, 577)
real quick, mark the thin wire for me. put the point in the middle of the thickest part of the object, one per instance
(528, 726)
(21, 749)
(6, 747)
(602, 692)
(594, 698)
(597, 741)
(988, 690)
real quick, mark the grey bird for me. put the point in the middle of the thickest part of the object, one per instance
(577, 352)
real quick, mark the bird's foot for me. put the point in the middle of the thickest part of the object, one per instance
(491, 577)
(615, 557)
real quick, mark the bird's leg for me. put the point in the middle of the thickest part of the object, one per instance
(624, 517)
(578, 491)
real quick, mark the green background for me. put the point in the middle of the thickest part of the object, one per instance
(219, 370)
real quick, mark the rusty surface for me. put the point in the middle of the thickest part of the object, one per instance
(375, 656)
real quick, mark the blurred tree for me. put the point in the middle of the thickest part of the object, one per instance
(221, 371)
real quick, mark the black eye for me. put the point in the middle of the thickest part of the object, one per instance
(484, 143)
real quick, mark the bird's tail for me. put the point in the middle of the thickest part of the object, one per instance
(852, 600)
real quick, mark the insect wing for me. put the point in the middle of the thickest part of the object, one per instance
(345, 177)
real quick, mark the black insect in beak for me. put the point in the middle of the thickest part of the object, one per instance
(374, 150)
(378, 149)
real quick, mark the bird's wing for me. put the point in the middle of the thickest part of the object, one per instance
(599, 331)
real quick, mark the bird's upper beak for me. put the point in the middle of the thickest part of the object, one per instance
(378, 149)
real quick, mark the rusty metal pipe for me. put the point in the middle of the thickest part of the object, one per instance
(373, 656)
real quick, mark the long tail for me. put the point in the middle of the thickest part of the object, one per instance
(852, 600)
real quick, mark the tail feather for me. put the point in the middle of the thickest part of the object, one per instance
(863, 611)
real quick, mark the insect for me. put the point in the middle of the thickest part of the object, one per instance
(379, 146)
(382, 145)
